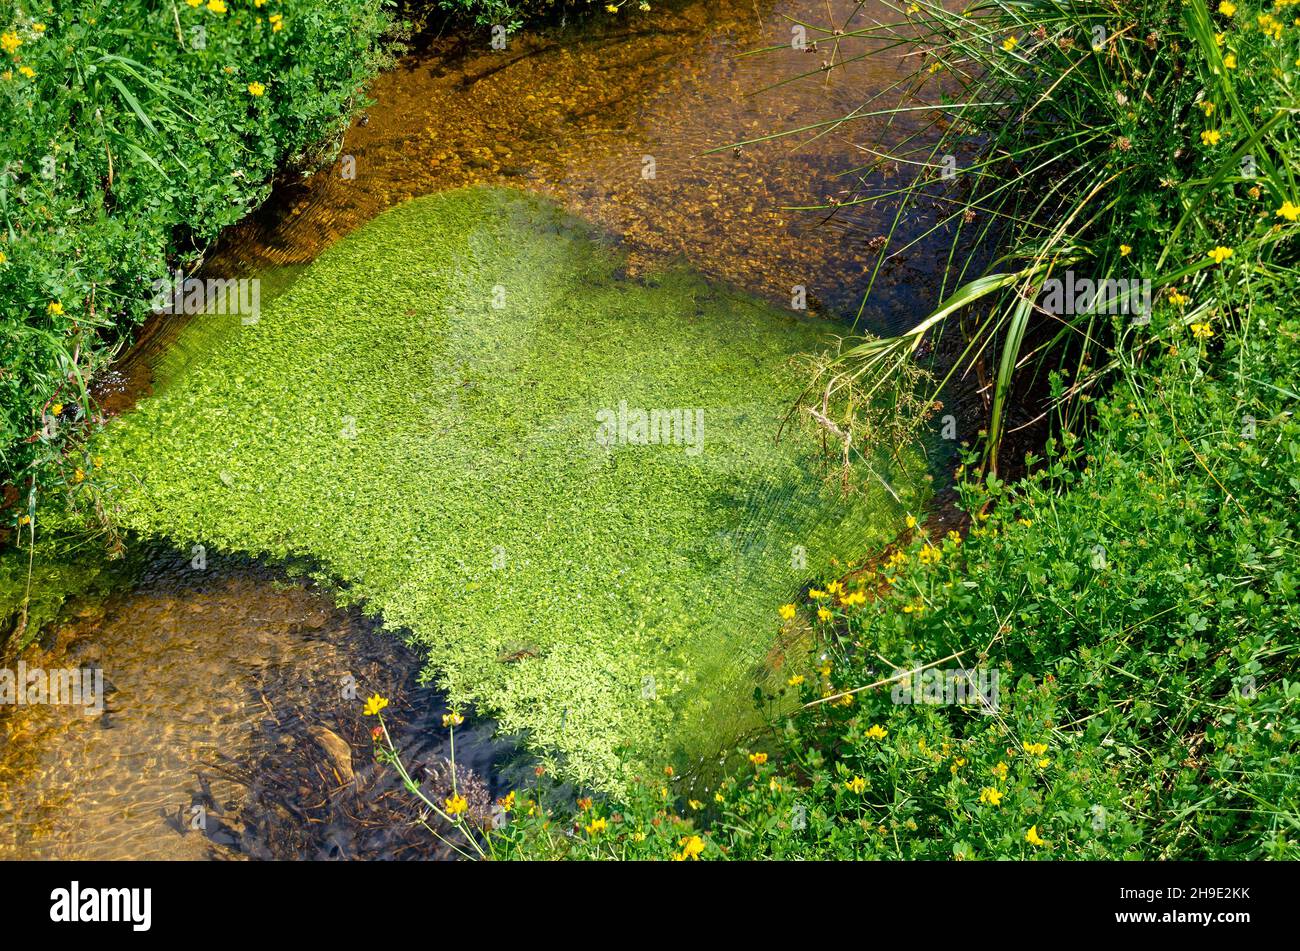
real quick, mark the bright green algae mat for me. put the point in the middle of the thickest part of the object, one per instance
(417, 414)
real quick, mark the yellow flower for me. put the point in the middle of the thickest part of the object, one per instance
(97, 461)
(56, 409)
(1125, 250)
(508, 802)
(596, 826)
(1044, 763)
(786, 611)
(856, 785)
(990, 796)
(911, 521)
(1269, 26)
(194, 3)
(1179, 300)
(1202, 331)
(10, 41)
(1000, 771)
(1032, 836)
(1227, 7)
(1230, 61)
(816, 594)
(929, 555)
(454, 805)
(1219, 254)
(256, 89)
(718, 797)
(1009, 43)
(877, 732)
(3, 259)
(692, 848)
(27, 71)
(824, 615)
(795, 681)
(611, 8)
(1210, 137)
(217, 6)
(1208, 108)
(452, 719)
(695, 804)
(374, 705)
(758, 759)
(55, 308)
(1036, 749)
(79, 475)
(1288, 211)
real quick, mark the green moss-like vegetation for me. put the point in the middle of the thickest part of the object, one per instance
(418, 414)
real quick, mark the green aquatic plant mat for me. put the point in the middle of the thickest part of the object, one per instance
(442, 413)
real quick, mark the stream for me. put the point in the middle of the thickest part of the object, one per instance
(229, 685)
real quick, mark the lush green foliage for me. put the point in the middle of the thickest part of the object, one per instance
(419, 412)
(1137, 592)
(1138, 596)
(1120, 141)
(131, 133)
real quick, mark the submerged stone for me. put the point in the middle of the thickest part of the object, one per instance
(469, 419)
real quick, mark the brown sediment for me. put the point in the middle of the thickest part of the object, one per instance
(585, 116)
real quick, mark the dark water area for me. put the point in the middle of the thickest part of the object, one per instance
(219, 684)
(224, 678)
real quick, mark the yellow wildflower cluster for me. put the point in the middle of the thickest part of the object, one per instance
(692, 849)
(1269, 26)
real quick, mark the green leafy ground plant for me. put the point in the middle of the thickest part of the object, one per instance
(421, 414)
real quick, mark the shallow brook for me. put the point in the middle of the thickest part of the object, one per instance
(218, 683)
(224, 677)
